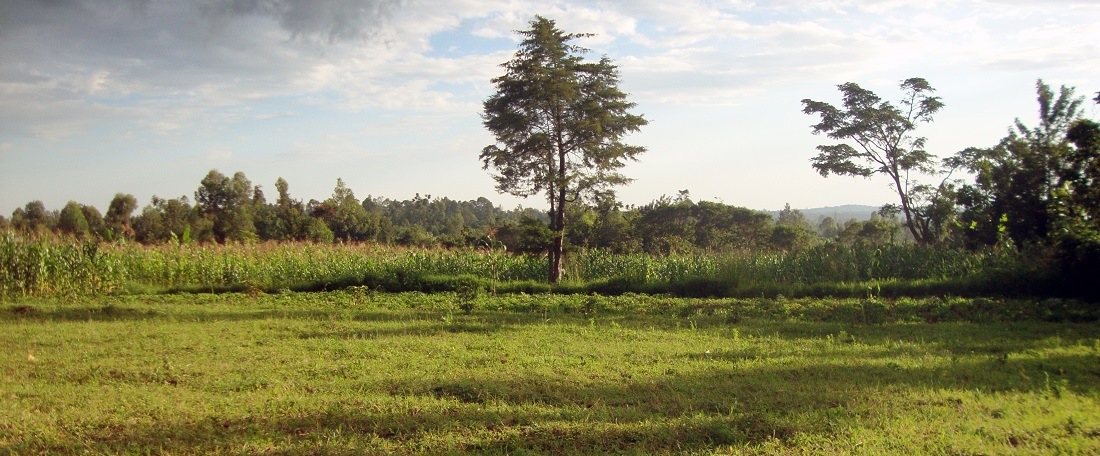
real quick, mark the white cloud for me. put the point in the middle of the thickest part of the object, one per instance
(169, 72)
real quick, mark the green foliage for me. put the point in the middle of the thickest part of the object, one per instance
(1035, 180)
(664, 226)
(558, 122)
(1079, 261)
(824, 270)
(791, 237)
(72, 221)
(874, 232)
(166, 219)
(529, 236)
(226, 203)
(33, 219)
(681, 226)
(881, 133)
(346, 217)
(118, 216)
(1083, 175)
(97, 226)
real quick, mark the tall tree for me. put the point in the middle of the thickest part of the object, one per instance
(227, 203)
(1035, 177)
(558, 121)
(290, 218)
(884, 142)
(164, 220)
(34, 218)
(96, 226)
(346, 216)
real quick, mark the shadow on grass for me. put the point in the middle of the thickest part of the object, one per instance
(734, 397)
(351, 324)
(416, 327)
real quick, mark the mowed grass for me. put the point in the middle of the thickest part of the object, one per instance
(356, 372)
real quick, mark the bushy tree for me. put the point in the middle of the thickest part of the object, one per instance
(791, 237)
(681, 226)
(558, 121)
(668, 226)
(793, 217)
(290, 218)
(264, 218)
(529, 235)
(165, 220)
(118, 216)
(227, 202)
(614, 229)
(346, 216)
(1083, 175)
(33, 218)
(1035, 178)
(97, 227)
(828, 228)
(878, 230)
(315, 230)
(71, 221)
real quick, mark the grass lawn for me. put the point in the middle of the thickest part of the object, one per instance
(352, 373)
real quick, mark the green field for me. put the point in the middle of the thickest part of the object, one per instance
(358, 371)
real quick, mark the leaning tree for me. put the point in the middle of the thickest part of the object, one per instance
(558, 121)
(884, 144)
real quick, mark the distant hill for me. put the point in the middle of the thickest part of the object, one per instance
(839, 213)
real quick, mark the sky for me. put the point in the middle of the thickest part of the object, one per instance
(145, 97)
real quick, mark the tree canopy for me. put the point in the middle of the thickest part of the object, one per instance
(884, 142)
(1036, 177)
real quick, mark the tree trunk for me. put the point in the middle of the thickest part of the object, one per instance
(557, 216)
(905, 209)
(556, 251)
(557, 246)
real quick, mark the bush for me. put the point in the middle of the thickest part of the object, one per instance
(1078, 255)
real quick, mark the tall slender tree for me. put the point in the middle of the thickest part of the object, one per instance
(558, 121)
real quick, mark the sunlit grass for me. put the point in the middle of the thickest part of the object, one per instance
(362, 372)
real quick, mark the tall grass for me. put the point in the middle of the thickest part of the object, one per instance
(833, 263)
(44, 267)
(274, 266)
(48, 268)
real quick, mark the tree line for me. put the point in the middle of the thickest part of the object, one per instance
(232, 209)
